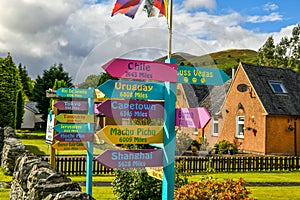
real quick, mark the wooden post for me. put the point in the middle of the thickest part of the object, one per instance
(52, 150)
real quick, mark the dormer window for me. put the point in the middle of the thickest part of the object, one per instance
(277, 87)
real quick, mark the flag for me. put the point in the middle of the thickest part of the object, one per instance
(162, 6)
(127, 7)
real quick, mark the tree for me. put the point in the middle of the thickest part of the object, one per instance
(285, 54)
(19, 109)
(90, 81)
(10, 85)
(26, 82)
(44, 83)
(104, 77)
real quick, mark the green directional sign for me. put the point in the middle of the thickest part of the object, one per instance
(75, 118)
(201, 76)
(74, 128)
(75, 93)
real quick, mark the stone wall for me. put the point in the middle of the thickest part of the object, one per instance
(34, 179)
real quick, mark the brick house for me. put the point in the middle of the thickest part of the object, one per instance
(261, 111)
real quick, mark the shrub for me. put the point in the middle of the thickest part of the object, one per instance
(212, 189)
(224, 146)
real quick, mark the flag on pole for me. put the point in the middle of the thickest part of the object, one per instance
(162, 6)
(127, 7)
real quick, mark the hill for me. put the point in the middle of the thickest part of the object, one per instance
(225, 60)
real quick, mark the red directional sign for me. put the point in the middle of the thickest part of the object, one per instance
(131, 158)
(141, 70)
(71, 105)
(132, 109)
(192, 117)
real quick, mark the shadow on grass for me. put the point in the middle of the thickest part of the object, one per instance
(33, 149)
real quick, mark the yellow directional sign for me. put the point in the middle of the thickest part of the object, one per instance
(69, 146)
(132, 134)
(75, 118)
(155, 172)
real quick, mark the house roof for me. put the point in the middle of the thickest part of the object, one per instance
(275, 103)
(32, 106)
(214, 101)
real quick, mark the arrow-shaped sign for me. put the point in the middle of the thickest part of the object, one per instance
(71, 105)
(132, 134)
(132, 109)
(132, 90)
(69, 146)
(202, 76)
(74, 137)
(74, 128)
(75, 118)
(192, 117)
(131, 158)
(141, 70)
(75, 93)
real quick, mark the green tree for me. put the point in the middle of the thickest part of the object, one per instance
(285, 54)
(90, 81)
(104, 77)
(19, 109)
(26, 82)
(10, 84)
(44, 83)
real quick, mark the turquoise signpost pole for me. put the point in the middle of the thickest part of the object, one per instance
(169, 145)
(90, 148)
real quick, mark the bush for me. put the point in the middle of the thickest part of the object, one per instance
(224, 146)
(211, 189)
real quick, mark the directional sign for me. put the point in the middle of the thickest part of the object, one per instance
(132, 90)
(155, 172)
(74, 128)
(132, 109)
(75, 93)
(75, 118)
(74, 137)
(192, 117)
(71, 105)
(131, 158)
(69, 146)
(132, 134)
(202, 76)
(141, 70)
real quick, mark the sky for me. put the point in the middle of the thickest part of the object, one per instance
(83, 36)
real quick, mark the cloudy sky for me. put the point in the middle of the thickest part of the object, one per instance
(82, 35)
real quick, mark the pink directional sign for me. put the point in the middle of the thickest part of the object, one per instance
(131, 158)
(192, 117)
(141, 70)
(132, 109)
(75, 137)
(71, 105)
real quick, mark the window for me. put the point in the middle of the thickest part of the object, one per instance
(215, 126)
(240, 126)
(277, 87)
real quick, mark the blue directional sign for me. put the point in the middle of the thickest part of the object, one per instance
(201, 76)
(74, 128)
(75, 93)
(133, 90)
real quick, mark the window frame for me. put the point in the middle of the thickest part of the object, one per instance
(279, 84)
(215, 122)
(238, 129)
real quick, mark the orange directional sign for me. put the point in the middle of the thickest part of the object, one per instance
(75, 118)
(69, 146)
(155, 172)
(132, 134)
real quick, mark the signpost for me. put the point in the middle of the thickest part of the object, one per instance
(192, 117)
(141, 70)
(132, 109)
(75, 93)
(75, 118)
(131, 158)
(69, 146)
(132, 134)
(72, 105)
(74, 137)
(132, 90)
(201, 76)
(74, 128)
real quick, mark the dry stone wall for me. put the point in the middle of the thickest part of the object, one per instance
(34, 179)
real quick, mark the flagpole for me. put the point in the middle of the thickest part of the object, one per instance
(170, 21)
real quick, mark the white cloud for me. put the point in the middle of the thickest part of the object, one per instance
(270, 6)
(266, 18)
(195, 4)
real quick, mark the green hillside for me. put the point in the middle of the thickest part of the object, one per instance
(225, 60)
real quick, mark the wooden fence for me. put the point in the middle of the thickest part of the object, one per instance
(76, 165)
